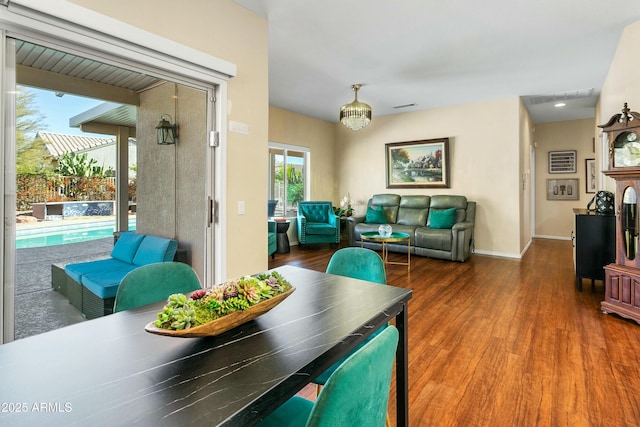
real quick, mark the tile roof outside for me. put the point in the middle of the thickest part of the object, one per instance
(59, 143)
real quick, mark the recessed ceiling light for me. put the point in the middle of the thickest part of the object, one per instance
(560, 104)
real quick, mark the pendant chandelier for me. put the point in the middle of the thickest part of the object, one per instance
(356, 115)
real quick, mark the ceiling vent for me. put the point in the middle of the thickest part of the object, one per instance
(413, 104)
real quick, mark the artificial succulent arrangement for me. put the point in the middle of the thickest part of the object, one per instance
(203, 306)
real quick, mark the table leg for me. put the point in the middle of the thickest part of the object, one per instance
(402, 370)
(385, 253)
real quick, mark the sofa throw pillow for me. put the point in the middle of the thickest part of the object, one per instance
(442, 218)
(125, 248)
(155, 249)
(375, 216)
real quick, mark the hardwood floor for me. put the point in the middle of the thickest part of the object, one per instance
(502, 342)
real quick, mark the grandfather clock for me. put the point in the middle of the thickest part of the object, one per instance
(622, 279)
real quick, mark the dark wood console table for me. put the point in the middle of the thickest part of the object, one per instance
(595, 244)
(109, 371)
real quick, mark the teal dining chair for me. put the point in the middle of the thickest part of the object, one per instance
(357, 263)
(154, 282)
(356, 394)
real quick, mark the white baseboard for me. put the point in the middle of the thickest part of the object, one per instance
(541, 236)
(498, 254)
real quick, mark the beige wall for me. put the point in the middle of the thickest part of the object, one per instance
(554, 218)
(482, 166)
(223, 29)
(484, 148)
(524, 187)
(287, 127)
(621, 84)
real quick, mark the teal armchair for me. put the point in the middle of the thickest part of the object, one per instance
(317, 223)
(272, 241)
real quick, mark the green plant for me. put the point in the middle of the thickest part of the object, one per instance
(295, 183)
(31, 153)
(74, 164)
(202, 306)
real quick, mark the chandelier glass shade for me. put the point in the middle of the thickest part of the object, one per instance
(355, 115)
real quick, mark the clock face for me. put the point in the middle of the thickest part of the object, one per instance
(631, 154)
(626, 150)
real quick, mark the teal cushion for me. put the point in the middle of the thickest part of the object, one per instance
(375, 216)
(155, 249)
(320, 228)
(105, 284)
(76, 271)
(292, 413)
(317, 212)
(442, 218)
(126, 246)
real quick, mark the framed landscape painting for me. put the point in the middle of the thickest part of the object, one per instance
(418, 164)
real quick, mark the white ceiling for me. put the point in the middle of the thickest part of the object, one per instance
(436, 53)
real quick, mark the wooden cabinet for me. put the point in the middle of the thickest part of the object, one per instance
(622, 291)
(595, 244)
(622, 278)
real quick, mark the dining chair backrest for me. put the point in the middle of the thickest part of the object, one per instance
(357, 393)
(358, 263)
(154, 282)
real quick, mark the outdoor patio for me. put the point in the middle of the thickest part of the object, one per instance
(38, 308)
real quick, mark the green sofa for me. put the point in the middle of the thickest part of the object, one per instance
(424, 218)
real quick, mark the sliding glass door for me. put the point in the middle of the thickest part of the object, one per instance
(125, 166)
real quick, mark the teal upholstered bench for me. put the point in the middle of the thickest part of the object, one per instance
(92, 285)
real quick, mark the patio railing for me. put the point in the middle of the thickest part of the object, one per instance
(44, 188)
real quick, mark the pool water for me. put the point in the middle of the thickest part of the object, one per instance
(63, 235)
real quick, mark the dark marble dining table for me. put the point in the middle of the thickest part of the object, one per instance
(111, 372)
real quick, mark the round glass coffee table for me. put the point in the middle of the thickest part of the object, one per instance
(396, 236)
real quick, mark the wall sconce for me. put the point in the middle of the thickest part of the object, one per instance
(166, 131)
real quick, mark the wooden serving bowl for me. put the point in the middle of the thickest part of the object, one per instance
(222, 324)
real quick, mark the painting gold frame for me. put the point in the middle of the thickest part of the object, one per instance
(418, 164)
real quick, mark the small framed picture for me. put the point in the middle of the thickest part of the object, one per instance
(562, 161)
(590, 175)
(563, 189)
